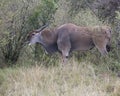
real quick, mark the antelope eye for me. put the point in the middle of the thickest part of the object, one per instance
(33, 33)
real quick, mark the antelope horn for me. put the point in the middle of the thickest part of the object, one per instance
(43, 27)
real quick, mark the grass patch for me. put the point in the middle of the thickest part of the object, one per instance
(72, 79)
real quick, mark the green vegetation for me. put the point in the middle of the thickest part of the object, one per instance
(74, 79)
(28, 71)
(20, 21)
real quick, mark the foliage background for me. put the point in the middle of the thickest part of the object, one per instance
(21, 64)
(19, 18)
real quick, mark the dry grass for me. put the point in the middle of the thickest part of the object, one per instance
(72, 79)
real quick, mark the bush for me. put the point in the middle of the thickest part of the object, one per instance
(22, 16)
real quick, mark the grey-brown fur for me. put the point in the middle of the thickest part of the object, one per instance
(72, 37)
(69, 37)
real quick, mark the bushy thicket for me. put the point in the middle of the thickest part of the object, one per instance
(25, 16)
(18, 18)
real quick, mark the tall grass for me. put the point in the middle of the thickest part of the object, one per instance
(72, 79)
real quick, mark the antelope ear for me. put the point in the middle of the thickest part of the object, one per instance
(42, 28)
(35, 31)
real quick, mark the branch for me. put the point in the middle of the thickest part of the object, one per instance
(90, 7)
